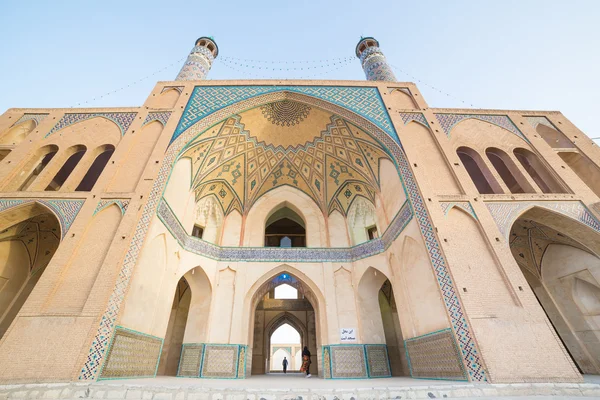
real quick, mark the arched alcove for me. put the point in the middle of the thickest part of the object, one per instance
(29, 238)
(104, 153)
(508, 171)
(35, 166)
(538, 171)
(362, 221)
(379, 316)
(166, 99)
(285, 228)
(558, 257)
(77, 153)
(17, 133)
(585, 169)
(208, 219)
(478, 171)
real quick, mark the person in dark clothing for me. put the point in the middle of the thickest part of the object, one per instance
(306, 362)
(285, 364)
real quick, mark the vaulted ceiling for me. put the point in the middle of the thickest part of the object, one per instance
(285, 143)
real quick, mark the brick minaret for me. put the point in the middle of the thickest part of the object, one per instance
(199, 61)
(373, 61)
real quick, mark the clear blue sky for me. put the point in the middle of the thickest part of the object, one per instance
(492, 54)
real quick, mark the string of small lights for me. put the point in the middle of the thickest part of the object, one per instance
(267, 72)
(246, 60)
(282, 65)
(415, 79)
(132, 83)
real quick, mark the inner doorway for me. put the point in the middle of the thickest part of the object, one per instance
(559, 259)
(284, 323)
(285, 343)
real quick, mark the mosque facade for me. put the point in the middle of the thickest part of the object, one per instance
(458, 244)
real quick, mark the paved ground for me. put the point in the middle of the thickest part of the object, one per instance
(296, 387)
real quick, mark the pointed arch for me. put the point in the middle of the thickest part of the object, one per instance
(296, 200)
(17, 133)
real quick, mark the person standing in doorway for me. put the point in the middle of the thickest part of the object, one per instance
(285, 364)
(306, 362)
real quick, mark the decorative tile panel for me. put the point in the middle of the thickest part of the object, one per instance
(65, 210)
(190, 360)
(378, 361)
(295, 254)
(505, 214)
(364, 101)
(449, 121)
(418, 117)
(29, 117)
(123, 120)
(161, 117)
(326, 362)
(104, 203)
(199, 124)
(465, 205)
(348, 361)
(535, 121)
(220, 361)
(131, 354)
(435, 356)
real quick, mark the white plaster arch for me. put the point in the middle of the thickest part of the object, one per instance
(299, 202)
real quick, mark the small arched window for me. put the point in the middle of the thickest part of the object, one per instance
(508, 171)
(480, 174)
(538, 171)
(285, 228)
(92, 175)
(65, 171)
(44, 156)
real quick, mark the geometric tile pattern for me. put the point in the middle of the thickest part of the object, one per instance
(65, 210)
(294, 254)
(348, 361)
(435, 356)
(131, 354)
(364, 101)
(326, 362)
(418, 117)
(122, 119)
(27, 117)
(378, 361)
(535, 121)
(375, 66)
(449, 121)
(465, 205)
(505, 214)
(342, 162)
(191, 359)
(197, 65)
(220, 361)
(161, 117)
(241, 371)
(122, 204)
(218, 112)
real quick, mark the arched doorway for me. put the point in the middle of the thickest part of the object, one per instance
(559, 258)
(271, 312)
(187, 323)
(285, 228)
(379, 319)
(284, 342)
(29, 237)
